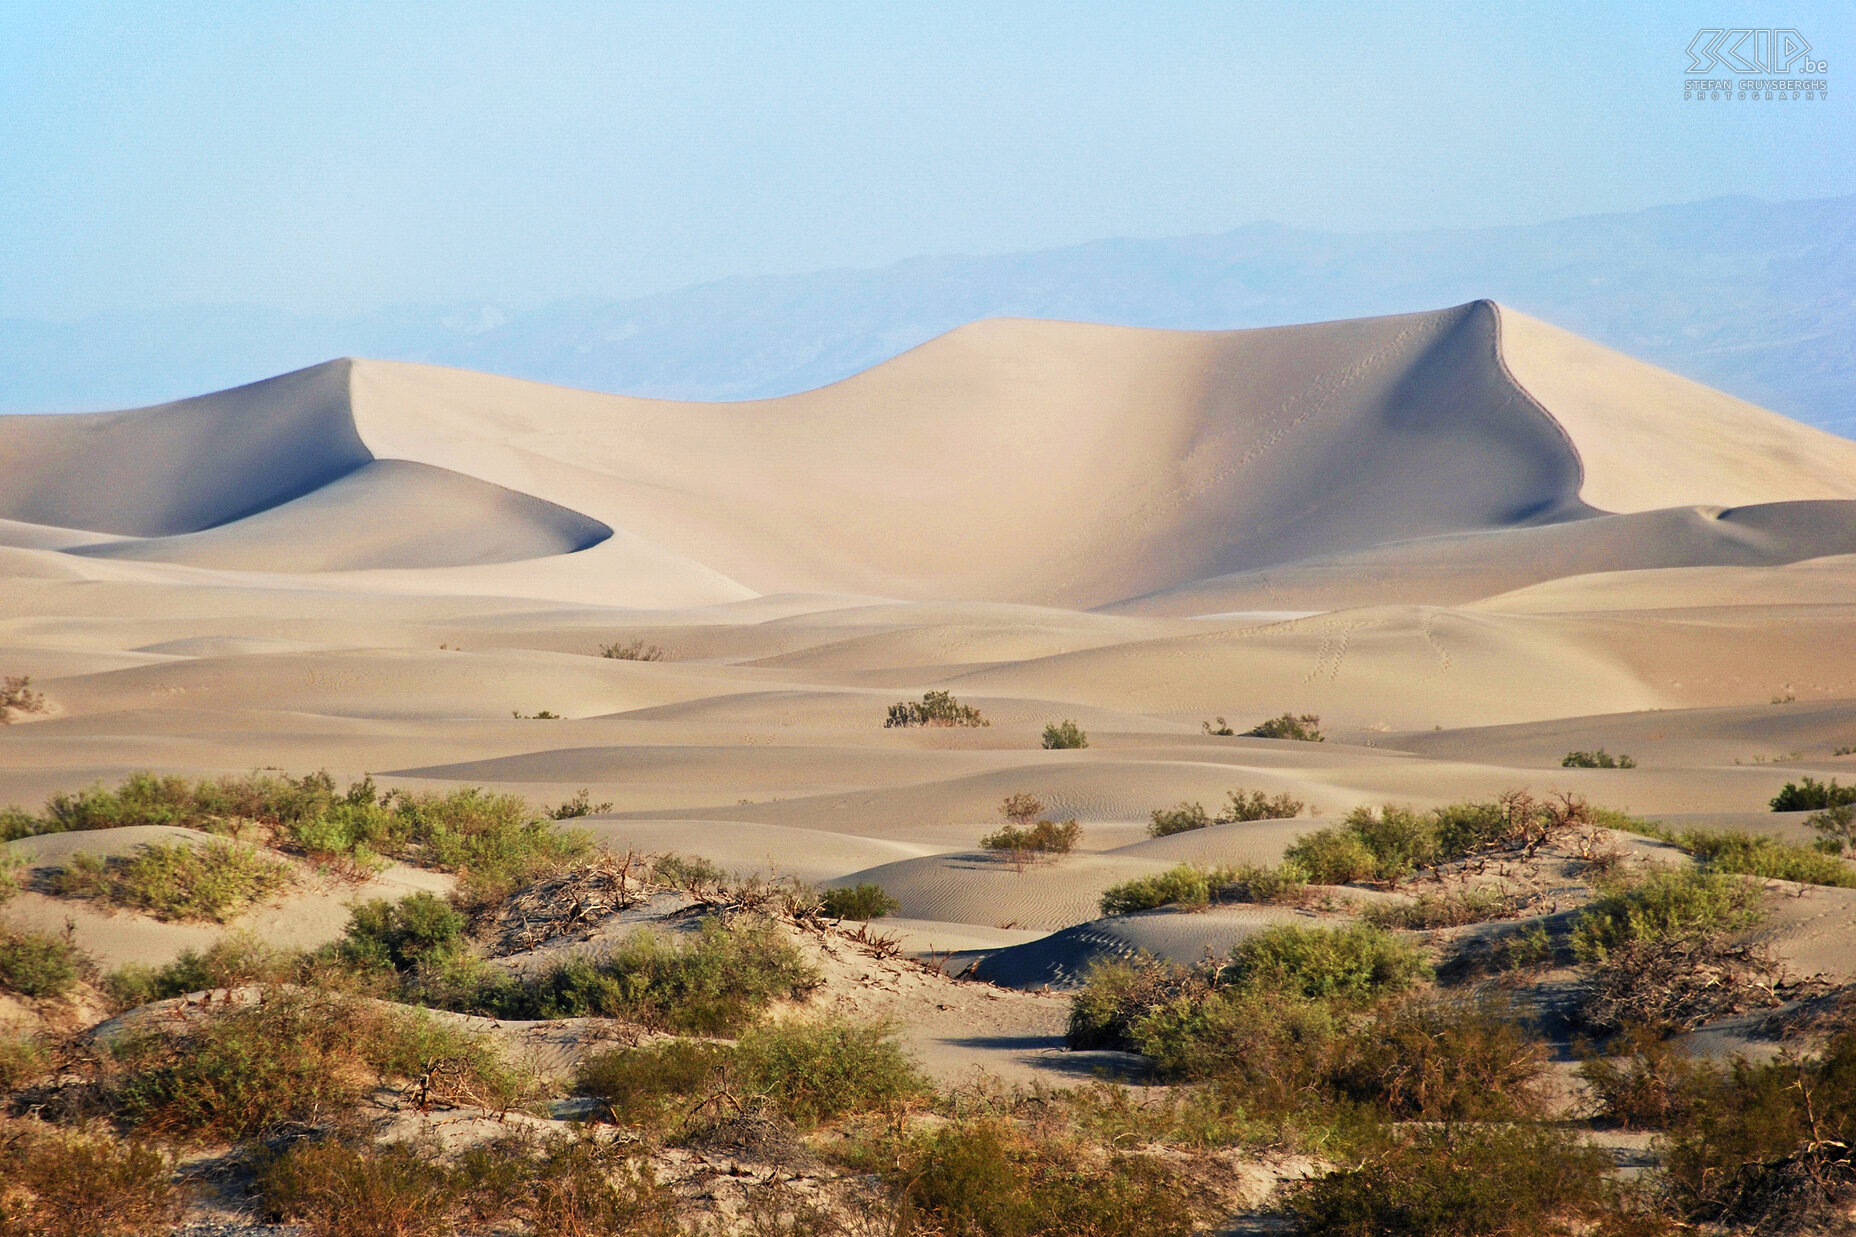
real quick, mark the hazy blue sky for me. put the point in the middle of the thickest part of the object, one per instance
(341, 157)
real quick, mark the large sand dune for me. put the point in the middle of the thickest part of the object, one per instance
(1469, 541)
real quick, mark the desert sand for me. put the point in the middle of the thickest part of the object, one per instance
(1469, 541)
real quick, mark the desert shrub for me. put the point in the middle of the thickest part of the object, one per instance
(1117, 995)
(298, 1057)
(1249, 883)
(1355, 962)
(686, 871)
(41, 964)
(1218, 727)
(1768, 1147)
(1021, 809)
(817, 1070)
(83, 1183)
(22, 1058)
(988, 1178)
(1400, 840)
(1063, 735)
(229, 962)
(1289, 726)
(646, 1086)
(581, 804)
(864, 901)
(1660, 954)
(335, 1190)
(1272, 1049)
(1835, 828)
(1442, 1061)
(16, 823)
(1752, 855)
(1179, 819)
(1186, 885)
(491, 841)
(632, 650)
(1463, 1180)
(1810, 795)
(1332, 857)
(398, 936)
(214, 805)
(933, 709)
(1600, 759)
(715, 983)
(1047, 837)
(1645, 1082)
(1450, 909)
(214, 881)
(1242, 805)
(18, 696)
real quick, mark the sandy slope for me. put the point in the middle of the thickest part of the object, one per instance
(1468, 541)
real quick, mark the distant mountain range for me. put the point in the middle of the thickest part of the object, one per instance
(1757, 299)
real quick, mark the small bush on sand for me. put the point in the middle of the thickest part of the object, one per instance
(1047, 837)
(934, 709)
(1463, 1180)
(1661, 954)
(214, 881)
(1646, 1083)
(1063, 735)
(1753, 855)
(1442, 1061)
(865, 901)
(1356, 962)
(1332, 857)
(298, 1057)
(230, 962)
(816, 1071)
(1810, 795)
(332, 1189)
(1767, 1148)
(493, 842)
(652, 1086)
(1243, 805)
(1600, 759)
(1450, 909)
(713, 984)
(1180, 819)
(398, 936)
(40, 964)
(1117, 996)
(17, 696)
(83, 1183)
(580, 805)
(632, 650)
(1304, 727)
(1186, 885)
(1835, 828)
(991, 1179)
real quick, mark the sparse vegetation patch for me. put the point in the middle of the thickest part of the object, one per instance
(933, 709)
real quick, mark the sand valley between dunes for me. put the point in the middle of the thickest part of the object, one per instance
(1469, 541)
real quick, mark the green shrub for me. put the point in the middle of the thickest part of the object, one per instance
(1047, 837)
(1248, 883)
(1272, 1049)
(819, 1070)
(1667, 904)
(580, 805)
(298, 1057)
(715, 983)
(1810, 795)
(1332, 857)
(1752, 855)
(77, 1183)
(213, 805)
(1767, 1148)
(1116, 995)
(686, 871)
(1064, 734)
(335, 1190)
(213, 881)
(1186, 885)
(1289, 726)
(398, 936)
(863, 901)
(1399, 839)
(1244, 805)
(1600, 759)
(1463, 1180)
(1181, 819)
(1450, 909)
(1835, 828)
(232, 961)
(649, 1085)
(1442, 1061)
(22, 1058)
(1651, 1084)
(493, 842)
(39, 964)
(1355, 962)
(11, 866)
(990, 1179)
(933, 709)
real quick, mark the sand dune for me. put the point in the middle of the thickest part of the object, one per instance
(1468, 541)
